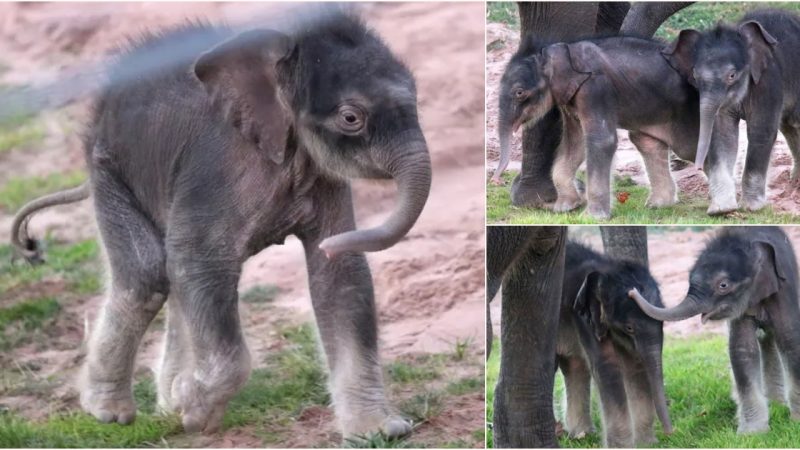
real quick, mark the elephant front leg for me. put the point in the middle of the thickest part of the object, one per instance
(745, 357)
(655, 155)
(344, 307)
(577, 383)
(720, 166)
(176, 354)
(608, 375)
(787, 337)
(206, 293)
(569, 156)
(601, 143)
(640, 400)
(772, 368)
(760, 140)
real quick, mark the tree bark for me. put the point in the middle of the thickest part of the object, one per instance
(523, 398)
(626, 243)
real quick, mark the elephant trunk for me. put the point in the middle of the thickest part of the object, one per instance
(708, 114)
(655, 375)
(410, 166)
(505, 130)
(687, 308)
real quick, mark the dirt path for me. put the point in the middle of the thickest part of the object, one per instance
(502, 42)
(429, 287)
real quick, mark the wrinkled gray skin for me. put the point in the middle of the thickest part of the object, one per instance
(604, 336)
(752, 73)
(599, 85)
(549, 22)
(748, 276)
(195, 169)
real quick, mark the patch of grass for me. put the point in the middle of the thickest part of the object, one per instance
(403, 372)
(144, 394)
(376, 440)
(698, 384)
(18, 320)
(464, 386)
(503, 12)
(422, 407)
(76, 264)
(689, 210)
(705, 15)
(461, 348)
(18, 191)
(260, 294)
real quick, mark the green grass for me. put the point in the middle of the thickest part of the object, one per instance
(705, 15)
(75, 264)
(503, 12)
(698, 385)
(19, 131)
(688, 210)
(17, 191)
(260, 294)
(18, 321)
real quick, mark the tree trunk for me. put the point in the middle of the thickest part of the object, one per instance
(523, 398)
(626, 243)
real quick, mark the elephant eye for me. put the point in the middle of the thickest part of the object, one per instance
(731, 76)
(350, 118)
(519, 93)
(723, 285)
(629, 329)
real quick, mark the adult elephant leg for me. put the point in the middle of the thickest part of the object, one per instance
(344, 306)
(720, 165)
(655, 154)
(523, 400)
(577, 384)
(772, 368)
(569, 156)
(644, 18)
(746, 363)
(137, 292)
(626, 243)
(792, 135)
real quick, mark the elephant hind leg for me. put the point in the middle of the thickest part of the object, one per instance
(137, 291)
(655, 154)
(577, 381)
(792, 134)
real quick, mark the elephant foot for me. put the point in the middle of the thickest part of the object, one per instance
(754, 427)
(567, 204)
(580, 431)
(389, 425)
(718, 209)
(109, 402)
(534, 195)
(755, 204)
(201, 408)
(599, 212)
(660, 202)
(496, 180)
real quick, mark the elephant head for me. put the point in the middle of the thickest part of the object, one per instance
(604, 303)
(335, 90)
(536, 80)
(731, 276)
(721, 64)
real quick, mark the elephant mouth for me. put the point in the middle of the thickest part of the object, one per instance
(720, 313)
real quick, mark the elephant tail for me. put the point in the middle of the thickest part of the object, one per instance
(23, 244)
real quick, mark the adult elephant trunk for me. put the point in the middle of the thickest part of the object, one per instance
(689, 307)
(505, 130)
(410, 166)
(709, 108)
(655, 375)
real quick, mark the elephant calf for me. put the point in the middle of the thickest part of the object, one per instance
(199, 165)
(604, 335)
(748, 276)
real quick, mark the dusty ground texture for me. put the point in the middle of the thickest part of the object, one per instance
(672, 253)
(429, 287)
(503, 41)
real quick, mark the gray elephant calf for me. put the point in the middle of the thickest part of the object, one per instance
(194, 168)
(748, 276)
(603, 335)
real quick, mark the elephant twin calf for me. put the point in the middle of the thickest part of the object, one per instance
(610, 330)
(687, 96)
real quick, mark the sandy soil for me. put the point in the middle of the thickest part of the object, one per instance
(502, 42)
(429, 287)
(672, 254)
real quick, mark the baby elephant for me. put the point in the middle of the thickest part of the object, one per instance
(202, 163)
(748, 276)
(600, 85)
(604, 335)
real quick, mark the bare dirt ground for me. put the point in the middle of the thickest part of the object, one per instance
(502, 42)
(672, 254)
(429, 287)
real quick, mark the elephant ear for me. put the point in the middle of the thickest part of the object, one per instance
(588, 304)
(240, 75)
(680, 54)
(759, 47)
(567, 69)
(770, 274)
